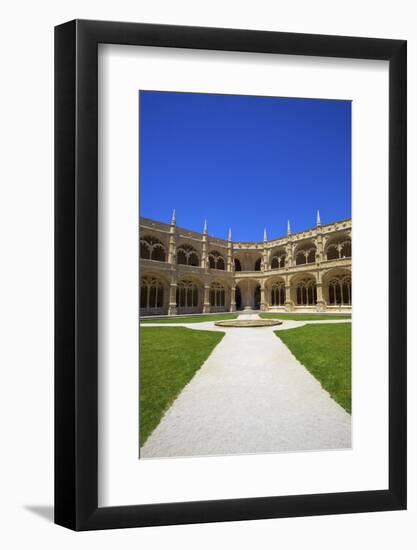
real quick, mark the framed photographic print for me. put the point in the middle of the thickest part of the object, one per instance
(230, 275)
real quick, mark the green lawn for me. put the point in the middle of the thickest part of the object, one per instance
(169, 358)
(192, 318)
(325, 351)
(304, 317)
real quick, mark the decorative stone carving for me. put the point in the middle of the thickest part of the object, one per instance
(314, 257)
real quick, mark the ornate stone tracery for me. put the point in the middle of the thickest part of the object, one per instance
(278, 262)
(151, 248)
(278, 294)
(340, 291)
(187, 294)
(258, 264)
(187, 255)
(216, 260)
(217, 295)
(337, 249)
(151, 293)
(187, 272)
(238, 265)
(305, 254)
(306, 292)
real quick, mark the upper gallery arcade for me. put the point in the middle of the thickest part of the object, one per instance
(183, 271)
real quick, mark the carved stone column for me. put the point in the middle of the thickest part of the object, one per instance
(229, 266)
(264, 305)
(288, 302)
(172, 306)
(321, 304)
(264, 260)
(289, 254)
(233, 299)
(206, 303)
(319, 249)
(289, 306)
(204, 255)
(171, 250)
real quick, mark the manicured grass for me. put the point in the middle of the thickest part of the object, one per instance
(325, 351)
(192, 318)
(304, 317)
(169, 358)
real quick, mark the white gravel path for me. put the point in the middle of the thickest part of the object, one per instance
(250, 396)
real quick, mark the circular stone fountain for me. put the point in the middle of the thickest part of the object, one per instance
(249, 323)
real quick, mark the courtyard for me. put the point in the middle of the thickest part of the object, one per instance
(209, 390)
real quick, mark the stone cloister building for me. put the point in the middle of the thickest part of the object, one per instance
(183, 271)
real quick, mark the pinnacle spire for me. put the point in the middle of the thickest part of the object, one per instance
(205, 227)
(288, 228)
(318, 219)
(265, 237)
(229, 238)
(174, 218)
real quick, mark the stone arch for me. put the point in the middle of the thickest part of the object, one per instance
(153, 294)
(187, 255)
(216, 260)
(226, 283)
(223, 280)
(247, 290)
(337, 285)
(278, 258)
(158, 253)
(332, 252)
(217, 296)
(145, 250)
(305, 253)
(275, 291)
(338, 247)
(245, 260)
(258, 264)
(346, 250)
(189, 295)
(304, 290)
(157, 273)
(152, 248)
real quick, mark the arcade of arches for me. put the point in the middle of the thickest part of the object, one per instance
(187, 272)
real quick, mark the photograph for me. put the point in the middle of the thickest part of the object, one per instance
(245, 270)
(209, 330)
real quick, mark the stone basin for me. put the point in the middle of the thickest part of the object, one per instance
(248, 323)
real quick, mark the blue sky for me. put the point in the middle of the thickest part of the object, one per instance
(244, 162)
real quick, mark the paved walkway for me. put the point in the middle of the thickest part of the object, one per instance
(250, 396)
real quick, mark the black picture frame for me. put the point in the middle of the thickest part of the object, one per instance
(76, 274)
